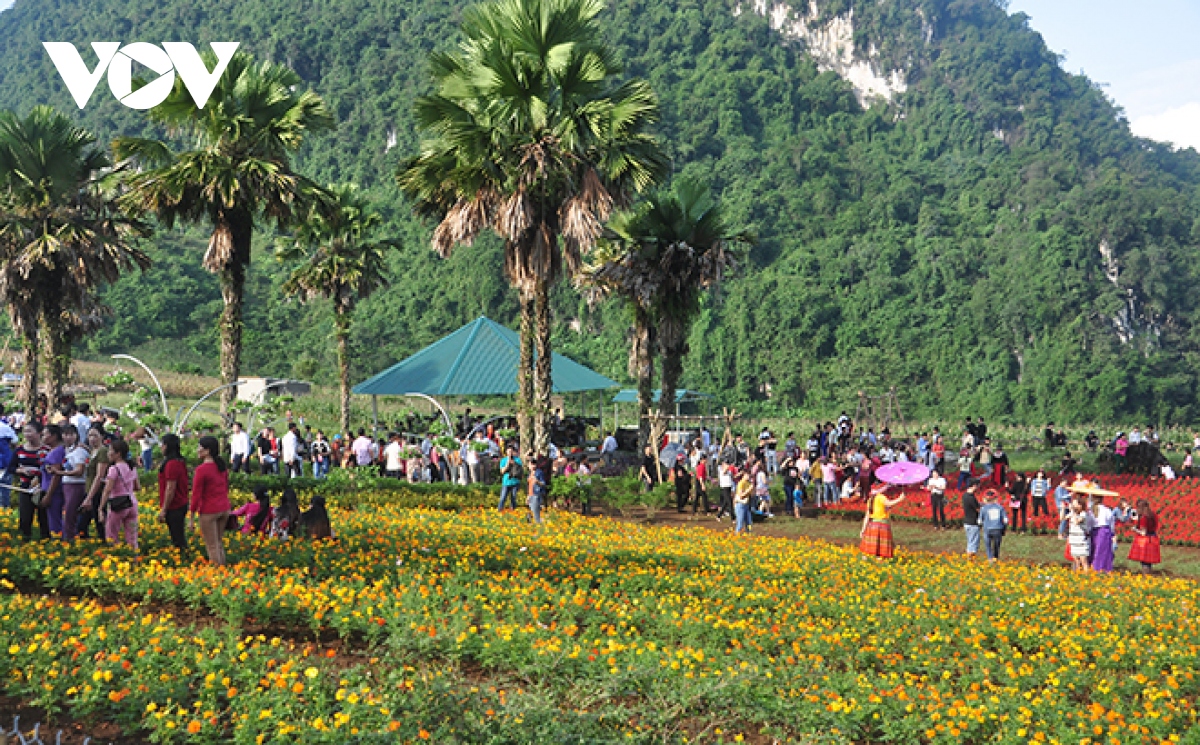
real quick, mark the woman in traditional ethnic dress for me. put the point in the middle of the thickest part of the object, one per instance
(876, 534)
(1145, 547)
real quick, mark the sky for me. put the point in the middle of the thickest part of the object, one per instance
(1144, 54)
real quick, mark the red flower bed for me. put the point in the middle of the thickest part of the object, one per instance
(1176, 502)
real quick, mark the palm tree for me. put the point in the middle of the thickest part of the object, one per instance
(240, 173)
(341, 263)
(530, 135)
(695, 249)
(62, 236)
(624, 265)
(661, 256)
(65, 324)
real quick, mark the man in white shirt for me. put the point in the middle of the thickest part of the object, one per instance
(608, 448)
(239, 449)
(82, 421)
(393, 456)
(362, 448)
(1135, 436)
(767, 442)
(287, 447)
(725, 482)
(937, 499)
(1039, 488)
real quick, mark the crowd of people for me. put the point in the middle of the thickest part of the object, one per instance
(300, 452)
(74, 472)
(78, 474)
(835, 463)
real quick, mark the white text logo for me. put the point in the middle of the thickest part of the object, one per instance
(173, 57)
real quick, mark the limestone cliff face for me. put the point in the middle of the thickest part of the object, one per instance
(831, 43)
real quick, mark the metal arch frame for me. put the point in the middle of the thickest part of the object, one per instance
(262, 396)
(161, 396)
(430, 399)
(179, 423)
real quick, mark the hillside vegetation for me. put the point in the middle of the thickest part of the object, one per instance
(991, 241)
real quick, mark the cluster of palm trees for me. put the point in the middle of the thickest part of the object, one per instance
(71, 219)
(530, 133)
(62, 235)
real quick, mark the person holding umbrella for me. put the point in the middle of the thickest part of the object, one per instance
(875, 538)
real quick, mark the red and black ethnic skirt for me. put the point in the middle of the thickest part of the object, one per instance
(877, 540)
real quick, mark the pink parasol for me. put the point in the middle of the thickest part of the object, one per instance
(902, 474)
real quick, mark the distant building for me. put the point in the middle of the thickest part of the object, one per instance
(257, 390)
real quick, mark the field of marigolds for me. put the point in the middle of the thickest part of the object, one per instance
(468, 626)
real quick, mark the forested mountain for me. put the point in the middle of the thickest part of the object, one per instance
(939, 206)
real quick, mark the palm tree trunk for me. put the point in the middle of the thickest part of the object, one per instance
(542, 380)
(525, 374)
(27, 394)
(233, 291)
(233, 287)
(341, 331)
(642, 359)
(58, 360)
(673, 347)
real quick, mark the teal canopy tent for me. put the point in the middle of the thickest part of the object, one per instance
(479, 359)
(683, 398)
(682, 395)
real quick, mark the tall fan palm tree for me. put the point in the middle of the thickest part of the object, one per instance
(339, 261)
(624, 265)
(661, 256)
(530, 135)
(696, 249)
(62, 236)
(239, 173)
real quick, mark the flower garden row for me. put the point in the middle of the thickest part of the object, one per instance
(1177, 503)
(597, 631)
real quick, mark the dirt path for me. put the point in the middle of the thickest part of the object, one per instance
(1179, 561)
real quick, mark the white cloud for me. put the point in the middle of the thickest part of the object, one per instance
(1179, 126)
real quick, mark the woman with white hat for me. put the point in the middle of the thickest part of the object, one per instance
(1103, 521)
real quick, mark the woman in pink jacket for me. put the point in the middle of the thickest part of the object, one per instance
(210, 498)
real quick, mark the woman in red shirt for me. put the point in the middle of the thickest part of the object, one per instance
(173, 492)
(210, 498)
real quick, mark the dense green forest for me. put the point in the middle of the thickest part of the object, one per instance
(993, 241)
